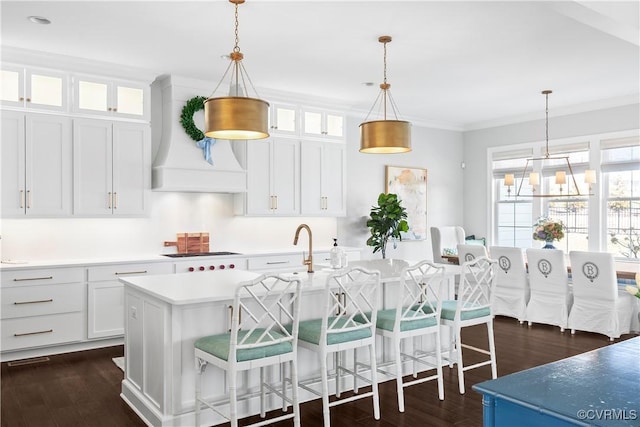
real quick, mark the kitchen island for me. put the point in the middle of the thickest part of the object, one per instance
(166, 314)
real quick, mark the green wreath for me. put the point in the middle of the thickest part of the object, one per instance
(186, 118)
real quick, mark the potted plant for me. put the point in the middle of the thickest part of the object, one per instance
(386, 222)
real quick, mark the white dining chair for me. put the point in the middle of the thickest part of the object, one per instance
(264, 332)
(597, 307)
(550, 298)
(472, 307)
(416, 315)
(511, 293)
(445, 237)
(350, 303)
(470, 252)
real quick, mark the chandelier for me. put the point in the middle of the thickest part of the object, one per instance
(385, 136)
(564, 177)
(236, 116)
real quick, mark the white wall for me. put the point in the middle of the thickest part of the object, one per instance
(171, 213)
(439, 151)
(476, 177)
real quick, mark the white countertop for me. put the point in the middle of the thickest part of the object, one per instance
(130, 259)
(211, 286)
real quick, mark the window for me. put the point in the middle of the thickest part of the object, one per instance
(604, 217)
(513, 214)
(572, 211)
(621, 179)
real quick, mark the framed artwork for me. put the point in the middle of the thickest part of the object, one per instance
(410, 184)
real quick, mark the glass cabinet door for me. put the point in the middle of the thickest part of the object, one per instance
(335, 125)
(12, 86)
(110, 98)
(323, 123)
(283, 119)
(46, 90)
(33, 88)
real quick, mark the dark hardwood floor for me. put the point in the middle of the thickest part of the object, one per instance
(82, 388)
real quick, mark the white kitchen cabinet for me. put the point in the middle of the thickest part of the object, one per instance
(323, 181)
(105, 295)
(36, 165)
(322, 124)
(273, 177)
(113, 98)
(42, 307)
(34, 88)
(112, 167)
(283, 119)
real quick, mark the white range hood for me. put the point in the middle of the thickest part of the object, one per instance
(180, 164)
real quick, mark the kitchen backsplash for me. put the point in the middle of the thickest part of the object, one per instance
(170, 213)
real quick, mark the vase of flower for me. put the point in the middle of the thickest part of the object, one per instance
(548, 231)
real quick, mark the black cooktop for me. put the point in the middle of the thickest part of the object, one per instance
(190, 254)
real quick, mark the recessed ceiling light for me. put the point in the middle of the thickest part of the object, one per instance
(368, 83)
(39, 20)
(225, 57)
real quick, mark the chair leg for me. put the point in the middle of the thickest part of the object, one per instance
(452, 343)
(233, 397)
(336, 360)
(492, 350)
(262, 393)
(415, 354)
(294, 393)
(439, 365)
(355, 370)
(374, 382)
(399, 387)
(200, 367)
(458, 340)
(284, 387)
(325, 390)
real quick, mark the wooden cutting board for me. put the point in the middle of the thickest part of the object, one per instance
(191, 242)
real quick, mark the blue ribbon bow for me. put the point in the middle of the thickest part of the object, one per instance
(206, 144)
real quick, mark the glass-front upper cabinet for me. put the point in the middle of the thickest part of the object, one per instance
(283, 119)
(321, 123)
(110, 97)
(34, 88)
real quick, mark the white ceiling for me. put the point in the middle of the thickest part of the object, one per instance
(452, 64)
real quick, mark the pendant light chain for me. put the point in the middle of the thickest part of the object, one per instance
(546, 113)
(236, 48)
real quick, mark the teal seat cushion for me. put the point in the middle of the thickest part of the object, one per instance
(309, 331)
(219, 345)
(387, 318)
(449, 311)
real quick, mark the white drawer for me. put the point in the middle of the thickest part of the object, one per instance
(39, 300)
(114, 272)
(276, 262)
(42, 330)
(42, 276)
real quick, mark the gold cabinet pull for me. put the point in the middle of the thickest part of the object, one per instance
(48, 331)
(277, 262)
(21, 199)
(33, 302)
(115, 200)
(110, 199)
(28, 199)
(33, 278)
(131, 272)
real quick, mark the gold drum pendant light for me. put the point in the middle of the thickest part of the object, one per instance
(236, 116)
(385, 136)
